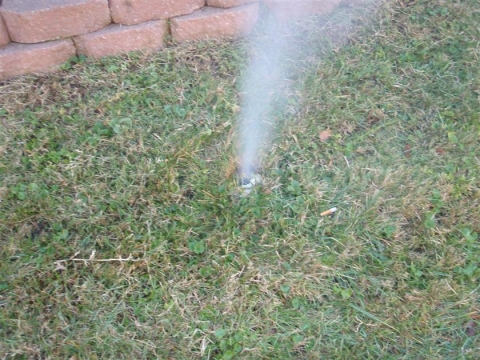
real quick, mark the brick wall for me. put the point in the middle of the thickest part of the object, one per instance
(38, 35)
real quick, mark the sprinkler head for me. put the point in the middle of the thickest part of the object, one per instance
(247, 183)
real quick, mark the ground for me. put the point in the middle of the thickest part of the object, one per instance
(122, 235)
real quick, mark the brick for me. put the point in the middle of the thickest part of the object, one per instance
(4, 38)
(20, 59)
(286, 10)
(117, 39)
(43, 20)
(228, 3)
(130, 12)
(211, 22)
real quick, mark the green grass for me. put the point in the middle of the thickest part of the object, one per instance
(126, 163)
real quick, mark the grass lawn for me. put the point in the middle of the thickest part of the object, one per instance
(122, 237)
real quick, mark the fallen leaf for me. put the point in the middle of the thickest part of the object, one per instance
(439, 151)
(471, 328)
(475, 316)
(325, 135)
(375, 115)
(408, 151)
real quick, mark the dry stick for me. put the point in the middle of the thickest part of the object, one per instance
(92, 259)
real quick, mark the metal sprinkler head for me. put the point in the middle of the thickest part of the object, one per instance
(247, 183)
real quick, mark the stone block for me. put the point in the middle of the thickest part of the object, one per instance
(20, 59)
(4, 38)
(36, 21)
(228, 3)
(211, 22)
(117, 39)
(129, 12)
